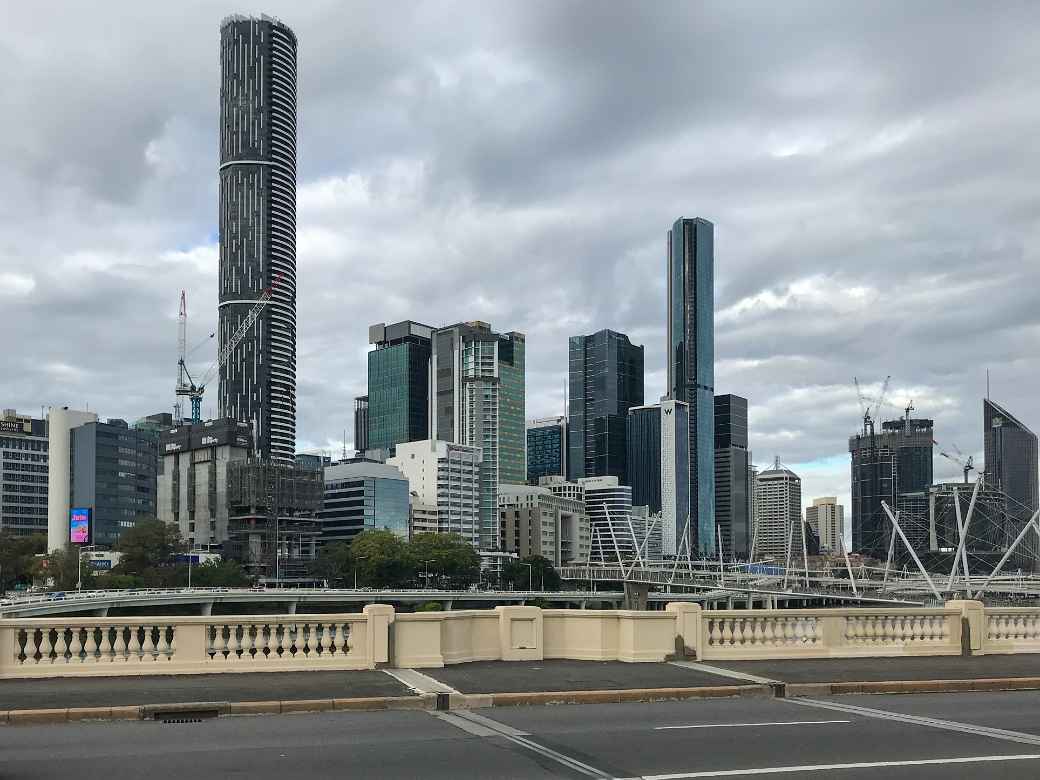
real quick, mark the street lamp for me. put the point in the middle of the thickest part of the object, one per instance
(427, 565)
(79, 565)
(358, 558)
(530, 575)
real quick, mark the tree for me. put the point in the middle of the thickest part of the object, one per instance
(148, 545)
(62, 566)
(334, 564)
(382, 558)
(18, 557)
(540, 574)
(217, 574)
(448, 557)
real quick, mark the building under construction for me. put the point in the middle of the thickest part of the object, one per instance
(886, 465)
(271, 525)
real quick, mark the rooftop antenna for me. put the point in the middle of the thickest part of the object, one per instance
(987, 384)
(344, 444)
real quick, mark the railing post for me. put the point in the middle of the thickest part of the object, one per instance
(380, 616)
(520, 633)
(189, 645)
(973, 620)
(687, 628)
(7, 657)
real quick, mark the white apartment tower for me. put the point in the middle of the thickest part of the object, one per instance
(778, 514)
(827, 518)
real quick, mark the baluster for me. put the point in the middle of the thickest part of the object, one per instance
(76, 647)
(759, 633)
(105, 648)
(263, 641)
(338, 640)
(348, 643)
(249, 636)
(768, 635)
(91, 646)
(45, 646)
(326, 639)
(234, 645)
(308, 641)
(817, 631)
(898, 632)
(164, 645)
(133, 649)
(61, 647)
(150, 647)
(119, 648)
(1020, 627)
(225, 639)
(1031, 628)
(1005, 627)
(714, 635)
(173, 642)
(944, 629)
(727, 632)
(789, 637)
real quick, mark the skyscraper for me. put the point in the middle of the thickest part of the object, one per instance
(606, 380)
(644, 455)
(257, 223)
(778, 514)
(827, 517)
(1011, 461)
(732, 488)
(691, 360)
(885, 466)
(478, 401)
(609, 507)
(398, 384)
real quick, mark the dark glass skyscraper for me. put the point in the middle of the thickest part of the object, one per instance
(691, 360)
(1011, 462)
(257, 223)
(546, 448)
(398, 384)
(732, 487)
(606, 380)
(644, 456)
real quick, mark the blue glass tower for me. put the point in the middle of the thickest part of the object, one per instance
(691, 362)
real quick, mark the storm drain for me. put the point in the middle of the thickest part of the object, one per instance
(186, 716)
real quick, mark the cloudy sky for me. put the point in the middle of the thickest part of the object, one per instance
(871, 169)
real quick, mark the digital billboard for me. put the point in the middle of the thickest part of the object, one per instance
(79, 525)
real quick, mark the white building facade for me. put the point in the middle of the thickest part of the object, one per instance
(827, 518)
(778, 514)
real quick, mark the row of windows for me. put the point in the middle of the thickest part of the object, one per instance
(30, 456)
(11, 443)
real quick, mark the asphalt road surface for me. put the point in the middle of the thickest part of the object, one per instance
(965, 735)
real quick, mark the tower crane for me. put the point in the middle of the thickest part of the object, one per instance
(867, 403)
(186, 386)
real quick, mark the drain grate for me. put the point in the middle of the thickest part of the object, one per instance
(185, 716)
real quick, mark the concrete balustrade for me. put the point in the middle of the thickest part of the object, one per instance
(84, 646)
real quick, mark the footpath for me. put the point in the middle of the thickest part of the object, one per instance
(496, 684)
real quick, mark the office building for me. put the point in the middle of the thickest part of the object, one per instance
(608, 504)
(113, 472)
(1011, 462)
(546, 448)
(691, 361)
(398, 403)
(363, 495)
(312, 460)
(649, 533)
(422, 518)
(605, 381)
(562, 487)
(156, 423)
(478, 397)
(361, 423)
(733, 489)
(23, 474)
(827, 518)
(191, 490)
(659, 471)
(535, 521)
(60, 422)
(885, 465)
(778, 514)
(257, 224)
(447, 476)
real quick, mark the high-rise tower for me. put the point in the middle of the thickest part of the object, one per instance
(257, 223)
(691, 361)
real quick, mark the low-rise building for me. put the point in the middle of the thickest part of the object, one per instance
(609, 507)
(535, 521)
(422, 518)
(445, 475)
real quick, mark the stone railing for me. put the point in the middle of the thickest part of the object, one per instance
(82, 646)
(1012, 630)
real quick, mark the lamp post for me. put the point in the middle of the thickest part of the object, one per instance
(359, 558)
(530, 575)
(79, 565)
(427, 563)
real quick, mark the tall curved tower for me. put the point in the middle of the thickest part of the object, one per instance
(258, 228)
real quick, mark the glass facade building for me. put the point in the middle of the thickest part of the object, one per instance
(114, 469)
(1011, 466)
(546, 448)
(644, 456)
(691, 360)
(257, 224)
(479, 401)
(23, 474)
(732, 489)
(605, 381)
(398, 407)
(362, 495)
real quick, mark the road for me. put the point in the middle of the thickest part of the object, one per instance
(985, 735)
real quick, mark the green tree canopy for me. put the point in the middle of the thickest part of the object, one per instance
(541, 573)
(18, 558)
(334, 564)
(61, 565)
(450, 558)
(147, 545)
(382, 559)
(215, 574)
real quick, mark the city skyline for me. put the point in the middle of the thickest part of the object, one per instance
(805, 293)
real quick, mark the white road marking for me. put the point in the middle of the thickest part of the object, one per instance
(742, 725)
(419, 682)
(718, 670)
(502, 728)
(778, 770)
(476, 729)
(917, 720)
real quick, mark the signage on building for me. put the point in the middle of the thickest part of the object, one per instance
(79, 525)
(12, 426)
(101, 563)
